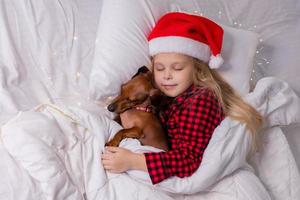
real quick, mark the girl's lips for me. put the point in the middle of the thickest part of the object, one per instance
(168, 87)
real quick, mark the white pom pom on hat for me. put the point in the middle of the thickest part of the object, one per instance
(187, 34)
(215, 61)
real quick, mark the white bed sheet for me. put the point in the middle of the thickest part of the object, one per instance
(46, 53)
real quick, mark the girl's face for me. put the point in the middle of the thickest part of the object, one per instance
(173, 73)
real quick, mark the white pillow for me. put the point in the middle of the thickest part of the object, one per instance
(122, 47)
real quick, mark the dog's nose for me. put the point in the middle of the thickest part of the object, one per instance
(111, 107)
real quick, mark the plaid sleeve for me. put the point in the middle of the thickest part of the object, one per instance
(197, 122)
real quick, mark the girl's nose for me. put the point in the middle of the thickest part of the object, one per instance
(167, 74)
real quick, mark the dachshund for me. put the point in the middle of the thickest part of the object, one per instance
(136, 100)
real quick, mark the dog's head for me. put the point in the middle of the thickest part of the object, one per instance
(136, 91)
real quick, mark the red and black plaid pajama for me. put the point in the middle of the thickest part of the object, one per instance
(189, 121)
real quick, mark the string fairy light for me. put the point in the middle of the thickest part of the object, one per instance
(78, 74)
(260, 61)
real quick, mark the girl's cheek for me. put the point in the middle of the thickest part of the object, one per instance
(156, 78)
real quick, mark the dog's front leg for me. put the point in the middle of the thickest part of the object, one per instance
(133, 132)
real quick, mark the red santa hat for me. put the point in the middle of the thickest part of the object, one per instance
(191, 35)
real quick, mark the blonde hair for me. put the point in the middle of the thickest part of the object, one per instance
(233, 105)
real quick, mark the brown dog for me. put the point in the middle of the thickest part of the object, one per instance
(136, 100)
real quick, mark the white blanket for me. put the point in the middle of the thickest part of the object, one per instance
(56, 152)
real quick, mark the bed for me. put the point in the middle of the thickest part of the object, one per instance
(61, 62)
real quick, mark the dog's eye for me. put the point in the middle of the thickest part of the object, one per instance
(131, 99)
(141, 96)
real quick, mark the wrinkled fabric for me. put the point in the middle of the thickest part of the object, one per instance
(63, 158)
(46, 55)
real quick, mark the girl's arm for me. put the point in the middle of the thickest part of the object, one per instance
(196, 125)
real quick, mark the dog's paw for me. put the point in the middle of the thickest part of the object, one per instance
(112, 143)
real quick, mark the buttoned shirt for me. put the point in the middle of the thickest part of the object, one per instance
(189, 121)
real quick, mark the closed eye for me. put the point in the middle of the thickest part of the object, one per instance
(159, 67)
(178, 67)
(139, 98)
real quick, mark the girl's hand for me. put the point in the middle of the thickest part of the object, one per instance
(115, 159)
(118, 160)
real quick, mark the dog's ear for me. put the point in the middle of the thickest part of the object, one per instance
(141, 70)
(155, 96)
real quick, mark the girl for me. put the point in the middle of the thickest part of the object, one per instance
(185, 51)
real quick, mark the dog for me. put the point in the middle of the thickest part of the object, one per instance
(136, 101)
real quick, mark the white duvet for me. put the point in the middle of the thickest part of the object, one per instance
(53, 152)
(46, 55)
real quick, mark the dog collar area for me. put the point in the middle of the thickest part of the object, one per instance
(147, 109)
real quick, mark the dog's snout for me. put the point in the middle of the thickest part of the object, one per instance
(111, 107)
